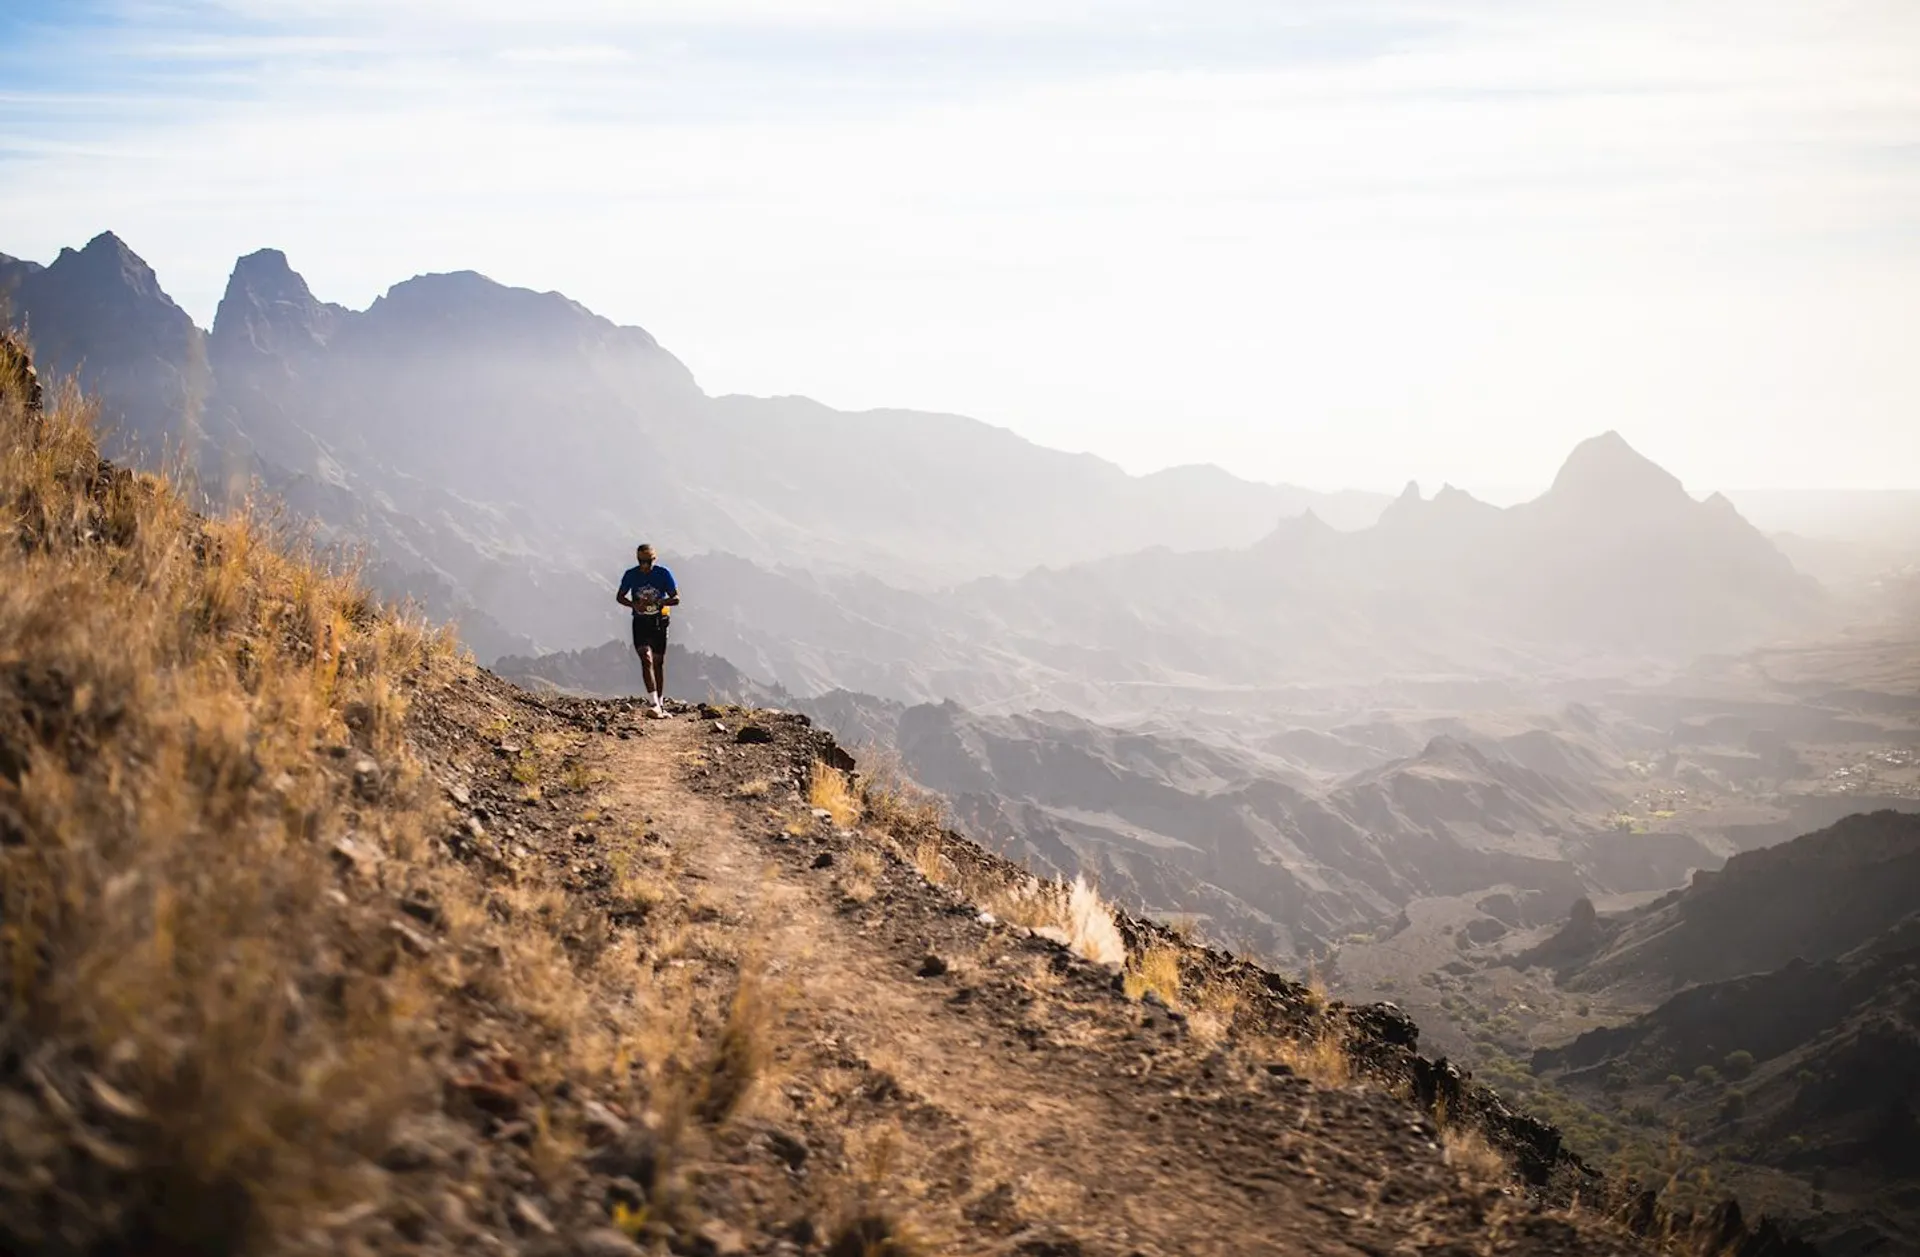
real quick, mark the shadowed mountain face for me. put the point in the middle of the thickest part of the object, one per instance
(1794, 1041)
(1813, 899)
(99, 313)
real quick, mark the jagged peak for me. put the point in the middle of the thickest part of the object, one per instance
(1405, 507)
(268, 306)
(1606, 465)
(106, 244)
(107, 268)
(267, 274)
(105, 253)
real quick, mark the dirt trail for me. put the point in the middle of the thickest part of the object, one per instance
(1026, 1111)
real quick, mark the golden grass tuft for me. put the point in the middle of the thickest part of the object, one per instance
(1156, 970)
(1467, 1150)
(931, 861)
(1320, 1057)
(862, 880)
(1090, 928)
(829, 790)
(741, 1050)
(894, 803)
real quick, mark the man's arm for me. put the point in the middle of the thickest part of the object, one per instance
(672, 598)
(620, 595)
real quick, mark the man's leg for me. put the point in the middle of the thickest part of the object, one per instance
(660, 666)
(649, 670)
(641, 644)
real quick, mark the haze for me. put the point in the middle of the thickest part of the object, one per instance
(1337, 245)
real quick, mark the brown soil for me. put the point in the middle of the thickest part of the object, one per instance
(976, 1086)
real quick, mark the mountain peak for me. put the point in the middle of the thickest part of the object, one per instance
(1403, 509)
(106, 259)
(268, 306)
(1606, 466)
(106, 244)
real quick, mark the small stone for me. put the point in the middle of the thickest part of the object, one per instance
(366, 778)
(459, 794)
(604, 1241)
(602, 1124)
(409, 1154)
(720, 1239)
(824, 860)
(532, 1215)
(789, 1148)
(409, 938)
(420, 906)
(821, 814)
(754, 735)
(932, 967)
(475, 828)
(115, 1101)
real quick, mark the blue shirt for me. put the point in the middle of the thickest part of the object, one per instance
(647, 588)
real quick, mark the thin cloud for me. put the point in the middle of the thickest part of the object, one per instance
(1456, 237)
(570, 55)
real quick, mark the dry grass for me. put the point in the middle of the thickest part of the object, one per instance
(1321, 1057)
(1072, 914)
(163, 689)
(741, 1050)
(931, 861)
(1214, 1009)
(1468, 1151)
(861, 882)
(894, 803)
(829, 790)
(1157, 969)
(758, 788)
(209, 807)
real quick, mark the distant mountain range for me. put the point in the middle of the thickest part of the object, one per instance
(500, 450)
(515, 445)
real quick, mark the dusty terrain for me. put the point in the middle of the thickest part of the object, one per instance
(964, 1082)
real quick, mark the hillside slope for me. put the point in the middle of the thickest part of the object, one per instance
(322, 940)
(1812, 899)
(1792, 1046)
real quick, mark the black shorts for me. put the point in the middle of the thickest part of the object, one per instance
(650, 633)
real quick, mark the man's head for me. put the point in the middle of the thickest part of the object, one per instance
(644, 553)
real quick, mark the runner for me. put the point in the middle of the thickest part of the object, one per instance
(649, 590)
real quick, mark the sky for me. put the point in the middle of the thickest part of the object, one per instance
(1338, 243)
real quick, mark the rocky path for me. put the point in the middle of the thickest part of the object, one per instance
(1002, 1094)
